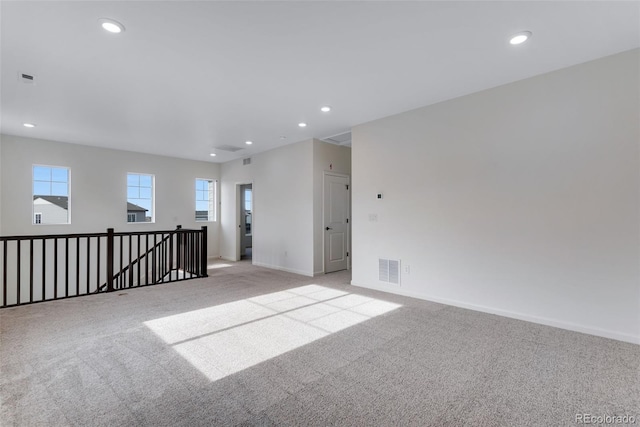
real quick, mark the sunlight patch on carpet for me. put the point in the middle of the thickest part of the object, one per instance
(218, 265)
(228, 338)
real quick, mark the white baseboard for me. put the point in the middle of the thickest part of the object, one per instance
(318, 273)
(288, 270)
(605, 333)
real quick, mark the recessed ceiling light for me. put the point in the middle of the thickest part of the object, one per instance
(248, 142)
(111, 25)
(520, 37)
(212, 154)
(325, 109)
(283, 137)
(29, 125)
(302, 124)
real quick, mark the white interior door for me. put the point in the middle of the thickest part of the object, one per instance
(336, 222)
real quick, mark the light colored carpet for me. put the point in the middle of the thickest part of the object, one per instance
(252, 346)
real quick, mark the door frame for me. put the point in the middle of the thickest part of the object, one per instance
(238, 221)
(324, 181)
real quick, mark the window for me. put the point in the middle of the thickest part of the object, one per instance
(247, 199)
(51, 195)
(140, 198)
(205, 200)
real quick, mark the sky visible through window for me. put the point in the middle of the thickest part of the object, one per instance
(50, 181)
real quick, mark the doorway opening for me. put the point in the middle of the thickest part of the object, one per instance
(246, 221)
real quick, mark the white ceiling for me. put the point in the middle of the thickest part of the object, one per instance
(187, 76)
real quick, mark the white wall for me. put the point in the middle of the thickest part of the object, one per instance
(282, 207)
(522, 200)
(99, 188)
(326, 158)
(1, 185)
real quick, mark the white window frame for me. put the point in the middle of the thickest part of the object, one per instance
(33, 209)
(153, 196)
(213, 202)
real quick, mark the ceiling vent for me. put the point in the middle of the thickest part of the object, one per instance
(246, 161)
(229, 148)
(26, 78)
(340, 139)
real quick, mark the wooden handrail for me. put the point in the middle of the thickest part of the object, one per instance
(47, 267)
(51, 236)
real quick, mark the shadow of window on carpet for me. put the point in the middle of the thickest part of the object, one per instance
(225, 339)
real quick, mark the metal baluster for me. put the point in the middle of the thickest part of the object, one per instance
(4, 273)
(153, 260)
(18, 273)
(30, 270)
(130, 265)
(77, 266)
(66, 270)
(139, 263)
(98, 264)
(88, 264)
(55, 268)
(44, 269)
(109, 259)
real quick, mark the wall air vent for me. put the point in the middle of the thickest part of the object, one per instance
(229, 148)
(340, 139)
(389, 271)
(246, 161)
(26, 78)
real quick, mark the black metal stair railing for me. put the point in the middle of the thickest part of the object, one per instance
(48, 267)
